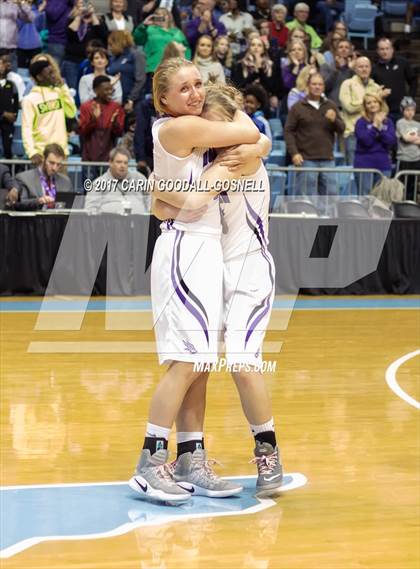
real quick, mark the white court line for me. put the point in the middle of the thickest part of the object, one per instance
(391, 379)
(297, 481)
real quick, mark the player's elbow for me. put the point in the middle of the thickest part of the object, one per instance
(253, 135)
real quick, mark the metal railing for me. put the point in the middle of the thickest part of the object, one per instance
(77, 170)
(411, 181)
(323, 187)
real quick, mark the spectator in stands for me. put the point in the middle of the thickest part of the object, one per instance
(130, 64)
(174, 49)
(343, 66)
(338, 29)
(119, 190)
(58, 13)
(9, 108)
(44, 112)
(14, 77)
(205, 24)
(310, 132)
(271, 44)
(300, 91)
(117, 17)
(84, 26)
(127, 141)
(278, 29)
(301, 14)
(257, 67)
(99, 60)
(329, 54)
(408, 133)
(292, 65)
(148, 7)
(396, 74)
(155, 33)
(262, 10)
(235, 23)
(29, 38)
(413, 9)
(38, 187)
(101, 122)
(314, 55)
(211, 70)
(7, 182)
(10, 11)
(255, 103)
(375, 138)
(143, 142)
(351, 97)
(223, 54)
(330, 10)
(56, 74)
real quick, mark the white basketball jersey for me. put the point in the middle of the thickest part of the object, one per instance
(245, 217)
(170, 167)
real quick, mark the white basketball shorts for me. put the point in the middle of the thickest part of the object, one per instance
(249, 287)
(187, 296)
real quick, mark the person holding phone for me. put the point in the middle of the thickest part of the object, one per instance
(155, 33)
(84, 26)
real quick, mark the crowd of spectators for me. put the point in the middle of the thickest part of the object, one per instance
(91, 74)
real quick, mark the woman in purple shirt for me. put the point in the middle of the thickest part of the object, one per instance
(58, 12)
(375, 138)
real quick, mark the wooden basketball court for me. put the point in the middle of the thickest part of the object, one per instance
(73, 415)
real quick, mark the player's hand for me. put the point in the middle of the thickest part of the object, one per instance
(297, 159)
(236, 156)
(191, 215)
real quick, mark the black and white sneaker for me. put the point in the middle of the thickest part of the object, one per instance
(153, 479)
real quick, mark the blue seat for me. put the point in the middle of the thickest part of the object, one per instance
(17, 147)
(23, 72)
(394, 7)
(279, 145)
(346, 181)
(277, 184)
(276, 128)
(277, 157)
(18, 131)
(361, 22)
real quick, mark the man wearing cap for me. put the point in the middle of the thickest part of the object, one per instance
(44, 112)
(301, 14)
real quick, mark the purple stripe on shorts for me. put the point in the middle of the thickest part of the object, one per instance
(258, 220)
(265, 305)
(179, 293)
